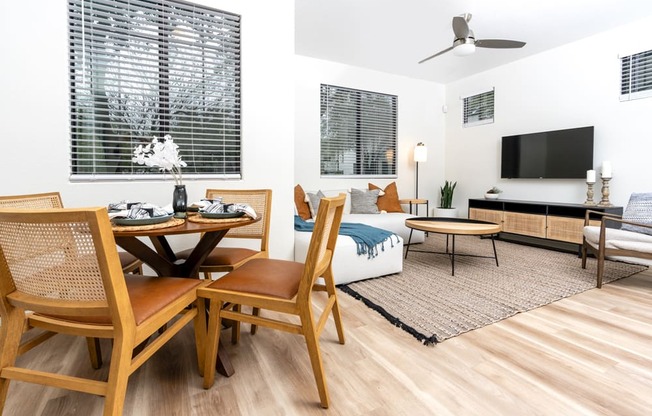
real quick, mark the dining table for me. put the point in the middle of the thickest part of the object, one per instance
(162, 259)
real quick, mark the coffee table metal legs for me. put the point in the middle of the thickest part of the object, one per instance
(451, 253)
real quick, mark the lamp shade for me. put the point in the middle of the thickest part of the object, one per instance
(420, 152)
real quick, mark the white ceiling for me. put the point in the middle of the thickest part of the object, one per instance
(393, 36)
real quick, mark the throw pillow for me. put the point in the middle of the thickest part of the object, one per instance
(303, 210)
(639, 209)
(364, 201)
(313, 202)
(389, 201)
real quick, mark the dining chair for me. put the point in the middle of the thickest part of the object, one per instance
(225, 258)
(130, 264)
(281, 286)
(62, 265)
(48, 200)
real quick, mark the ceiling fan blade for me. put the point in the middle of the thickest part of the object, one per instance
(437, 54)
(499, 43)
(460, 27)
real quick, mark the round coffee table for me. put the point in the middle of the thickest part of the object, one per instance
(452, 227)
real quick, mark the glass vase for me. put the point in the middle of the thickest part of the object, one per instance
(179, 201)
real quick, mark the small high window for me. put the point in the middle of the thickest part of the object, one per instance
(478, 109)
(636, 76)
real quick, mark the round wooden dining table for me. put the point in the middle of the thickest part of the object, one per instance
(161, 257)
(163, 261)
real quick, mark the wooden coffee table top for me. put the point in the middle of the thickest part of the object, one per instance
(456, 226)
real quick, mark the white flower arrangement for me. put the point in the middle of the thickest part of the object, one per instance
(162, 154)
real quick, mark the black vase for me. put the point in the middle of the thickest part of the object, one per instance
(179, 201)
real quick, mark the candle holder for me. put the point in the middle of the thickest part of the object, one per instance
(605, 193)
(589, 194)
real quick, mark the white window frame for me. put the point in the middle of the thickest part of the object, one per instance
(358, 133)
(147, 68)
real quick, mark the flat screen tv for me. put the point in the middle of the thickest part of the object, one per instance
(559, 154)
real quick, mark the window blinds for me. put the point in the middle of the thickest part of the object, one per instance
(636, 76)
(142, 68)
(478, 109)
(358, 132)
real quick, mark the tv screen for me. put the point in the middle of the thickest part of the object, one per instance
(559, 154)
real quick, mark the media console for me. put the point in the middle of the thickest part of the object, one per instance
(553, 221)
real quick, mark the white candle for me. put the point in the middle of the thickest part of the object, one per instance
(606, 169)
(590, 176)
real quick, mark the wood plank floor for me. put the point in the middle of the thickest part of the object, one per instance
(590, 354)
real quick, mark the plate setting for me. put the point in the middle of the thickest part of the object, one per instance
(142, 221)
(221, 214)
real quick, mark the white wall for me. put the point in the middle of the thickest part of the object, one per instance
(420, 119)
(572, 86)
(34, 111)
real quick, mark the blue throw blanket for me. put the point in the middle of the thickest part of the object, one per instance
(365, 236)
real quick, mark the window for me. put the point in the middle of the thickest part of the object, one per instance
(636, 76)
(142, 68)
(478, 109)
(358, 132)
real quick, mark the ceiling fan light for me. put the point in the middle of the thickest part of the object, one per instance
(464, 49)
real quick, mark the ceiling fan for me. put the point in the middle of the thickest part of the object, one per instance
(465, 42)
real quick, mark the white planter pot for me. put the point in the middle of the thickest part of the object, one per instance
(445, 212)
(491, 196)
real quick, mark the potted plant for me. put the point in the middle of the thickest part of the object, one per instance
(445, 208)
(492, 193)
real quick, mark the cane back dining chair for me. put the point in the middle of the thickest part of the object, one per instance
(224, 258)
(281, 286)
(48, 200)
(130, 264)
(63, 266)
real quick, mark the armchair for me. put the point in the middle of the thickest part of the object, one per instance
(631, 242)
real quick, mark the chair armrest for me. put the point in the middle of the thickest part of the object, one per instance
(622, 221)
(601, 214)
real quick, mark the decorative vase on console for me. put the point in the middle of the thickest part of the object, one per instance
(165, 156)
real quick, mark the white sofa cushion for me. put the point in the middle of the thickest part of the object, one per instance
(348, 266)
(623, 240)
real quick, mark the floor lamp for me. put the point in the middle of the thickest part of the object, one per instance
(420, 155)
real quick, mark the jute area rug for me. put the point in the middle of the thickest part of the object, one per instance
(429, 303)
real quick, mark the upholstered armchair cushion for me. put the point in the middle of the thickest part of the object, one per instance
(621, 240)
(639, 209)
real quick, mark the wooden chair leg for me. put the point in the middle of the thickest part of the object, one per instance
(332, 292)
(212, 342)
(118, 375)
(235, 326)
(94, 352)
(600, 270)
(11, 331)
(312, 342)
(584, 254)
(200, 334)
(254, 312)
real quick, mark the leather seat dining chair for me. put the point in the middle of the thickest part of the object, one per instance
(49, 200)
(227, 258)
(282, 286)
(62, 265)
